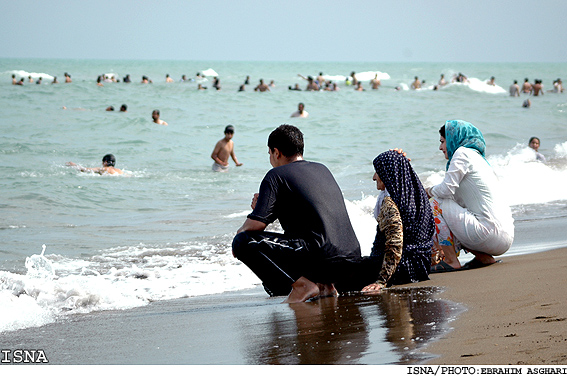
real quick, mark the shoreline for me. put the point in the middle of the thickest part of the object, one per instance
(515, 312)
(517, 318)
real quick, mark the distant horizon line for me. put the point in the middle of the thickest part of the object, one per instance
(263, 60)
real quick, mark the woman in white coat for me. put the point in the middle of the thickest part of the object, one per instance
(470, 211)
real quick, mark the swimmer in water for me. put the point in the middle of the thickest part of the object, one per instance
(375, 83)
(262, 87)
(515, 89)
(223, 150)
(300, 113)
(527, 87)
(108, 162)
(156, 119)
(416, 84)
(534, 144)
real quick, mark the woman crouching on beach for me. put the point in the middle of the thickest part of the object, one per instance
(469, 208)
(401, 252)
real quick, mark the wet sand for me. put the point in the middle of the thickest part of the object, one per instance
(508, 313)
(516, 312)
(249, 328)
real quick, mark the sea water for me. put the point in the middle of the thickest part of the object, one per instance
(74, 242)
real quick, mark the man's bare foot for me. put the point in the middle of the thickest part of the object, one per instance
(326, 290)
(303, 289)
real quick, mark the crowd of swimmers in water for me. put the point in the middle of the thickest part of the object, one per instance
(318, 83)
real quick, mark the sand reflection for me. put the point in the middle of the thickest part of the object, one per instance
(388, 328)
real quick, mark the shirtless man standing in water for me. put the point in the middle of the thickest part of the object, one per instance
(223, 149)
(156, 119)
(108, 162)
(416, 84)
(537, 88)
(527, 87)
(375, 83)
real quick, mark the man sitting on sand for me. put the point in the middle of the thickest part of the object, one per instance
(156, 119)
(223, 149)
(318, 237)
(108, 162)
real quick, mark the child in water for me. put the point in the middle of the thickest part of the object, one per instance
(534, 144)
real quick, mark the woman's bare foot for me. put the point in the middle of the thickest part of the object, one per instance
(303, 289)
(484, 258)
(450, 256)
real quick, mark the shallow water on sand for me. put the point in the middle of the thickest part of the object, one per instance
(246, 328)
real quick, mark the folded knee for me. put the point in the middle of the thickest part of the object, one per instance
(239, 243)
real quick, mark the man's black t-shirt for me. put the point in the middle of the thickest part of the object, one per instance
(309, 204)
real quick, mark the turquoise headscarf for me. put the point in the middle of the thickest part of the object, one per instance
(459, 133)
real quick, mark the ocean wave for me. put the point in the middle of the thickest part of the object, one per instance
(26, 74)
(477, 85)
(524, 179)
(55, 286)
(360, 76)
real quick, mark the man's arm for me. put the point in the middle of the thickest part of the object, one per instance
(252, 225)
(84, 169)
(234, 157)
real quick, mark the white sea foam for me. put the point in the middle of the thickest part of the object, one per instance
(24, 74)
(362, 76)
(478, 85)
(238, 214)
(55, 286)
(529, 181)
(210, 73)
(524, 179)
(362, 220)
(127, 277)
(561, 150)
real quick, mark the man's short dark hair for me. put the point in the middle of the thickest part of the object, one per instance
(229, 129)
(287, 139)
(109, 159)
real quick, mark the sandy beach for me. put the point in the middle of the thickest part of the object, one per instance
(510, 313)
(515, 312)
